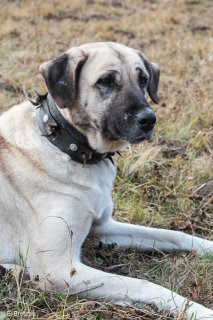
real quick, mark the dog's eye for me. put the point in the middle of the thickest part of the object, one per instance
(142, 79)
(106, 81)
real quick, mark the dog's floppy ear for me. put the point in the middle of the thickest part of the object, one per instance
(61, 76)
(154, 77)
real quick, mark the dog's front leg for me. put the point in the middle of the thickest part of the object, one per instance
(124, 291)
(126, 235)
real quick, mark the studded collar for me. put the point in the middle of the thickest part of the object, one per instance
(62, 134)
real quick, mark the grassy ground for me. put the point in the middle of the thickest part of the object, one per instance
(168, 183)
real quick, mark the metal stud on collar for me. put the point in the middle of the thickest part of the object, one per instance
(73, 147)
(45, 118)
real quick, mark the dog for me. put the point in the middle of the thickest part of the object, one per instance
(57, 173)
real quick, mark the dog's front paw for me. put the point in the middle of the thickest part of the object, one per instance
(204, 247)
(198, 312)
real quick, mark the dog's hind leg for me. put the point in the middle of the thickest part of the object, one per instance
(149, 239)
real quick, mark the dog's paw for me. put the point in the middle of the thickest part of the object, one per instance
(198, 312)
(204, 247)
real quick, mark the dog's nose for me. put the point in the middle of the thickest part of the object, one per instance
(147, 119)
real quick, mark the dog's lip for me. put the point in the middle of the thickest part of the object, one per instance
(116, 136)
(149, 135)
(145, 136)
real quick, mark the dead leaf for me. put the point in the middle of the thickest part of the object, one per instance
(73, 272)
(181, 224)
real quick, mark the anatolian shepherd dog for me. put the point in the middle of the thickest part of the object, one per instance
(57, 175)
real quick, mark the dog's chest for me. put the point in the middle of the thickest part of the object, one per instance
(90, 188)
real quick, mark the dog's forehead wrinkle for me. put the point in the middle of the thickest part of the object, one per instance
(113, 68)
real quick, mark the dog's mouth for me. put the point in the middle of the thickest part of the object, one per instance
(148, 136)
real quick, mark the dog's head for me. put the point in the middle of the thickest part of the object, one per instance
(101, 89)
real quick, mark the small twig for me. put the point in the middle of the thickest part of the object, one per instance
(115, 266)
(202, 228)
(184, 278)
(86, 290)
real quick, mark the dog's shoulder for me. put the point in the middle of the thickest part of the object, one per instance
(16, 119)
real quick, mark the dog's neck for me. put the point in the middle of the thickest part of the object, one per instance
(63, 135)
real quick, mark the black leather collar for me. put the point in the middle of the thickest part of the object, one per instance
(62, 134)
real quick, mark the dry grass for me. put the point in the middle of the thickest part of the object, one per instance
(164, 184)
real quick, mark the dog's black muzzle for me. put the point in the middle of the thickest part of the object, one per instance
(130, 118)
